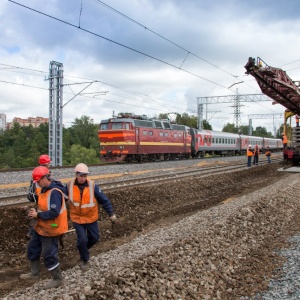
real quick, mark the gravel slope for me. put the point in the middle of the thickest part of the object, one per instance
(225, 252)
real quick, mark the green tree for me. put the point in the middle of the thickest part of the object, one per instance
(80, 154)
(206, 125)
(84, 132)
(261, 131)
(163, 116)
(244, 129)
(230, 127)
(186, 120)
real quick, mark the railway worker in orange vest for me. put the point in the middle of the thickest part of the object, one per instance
(284, 140)
(268, 154)
(249, 155)
(34, 189)
(84, 196)
(51, 215)
(255, 155)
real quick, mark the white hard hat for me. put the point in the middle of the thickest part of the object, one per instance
(82, 169)
(249, 146)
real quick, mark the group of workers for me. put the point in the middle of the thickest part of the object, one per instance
(255, 154)
(52, 198)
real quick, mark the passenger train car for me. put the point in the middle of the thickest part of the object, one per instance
(224, 143)
(129, 137)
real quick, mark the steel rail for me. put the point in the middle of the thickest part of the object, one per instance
(21, 200)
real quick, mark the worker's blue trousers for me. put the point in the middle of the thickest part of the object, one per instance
(249, 161)
(45, 246)
(87, 236)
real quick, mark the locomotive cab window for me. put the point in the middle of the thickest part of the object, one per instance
(104, 126)
(116, 126)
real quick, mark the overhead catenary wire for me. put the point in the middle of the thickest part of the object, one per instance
(119, 44)
(145, 96)
(108, 100)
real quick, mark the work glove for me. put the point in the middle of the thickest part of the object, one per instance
(113, 218)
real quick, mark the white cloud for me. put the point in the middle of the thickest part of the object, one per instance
(223, 33)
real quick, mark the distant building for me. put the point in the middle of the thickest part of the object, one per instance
(35, 122)
(2, 121)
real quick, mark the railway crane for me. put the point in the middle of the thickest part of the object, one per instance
(277, 85)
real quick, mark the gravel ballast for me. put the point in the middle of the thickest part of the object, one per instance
(225, 252)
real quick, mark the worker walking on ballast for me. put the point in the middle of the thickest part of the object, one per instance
(51, 215)
(84, 196)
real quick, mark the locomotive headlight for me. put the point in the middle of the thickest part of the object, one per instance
(121, 147)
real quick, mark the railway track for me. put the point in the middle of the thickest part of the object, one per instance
(21, 200)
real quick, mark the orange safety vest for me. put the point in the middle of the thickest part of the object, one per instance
(38, 189)
(83, 209)
(249, 152)
(268, 153)
(51, 227)
(256, 151)
(284, 140)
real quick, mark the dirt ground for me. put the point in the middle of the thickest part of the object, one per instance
(138, 210)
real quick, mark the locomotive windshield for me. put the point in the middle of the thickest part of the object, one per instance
(116, 125)
(103, 126)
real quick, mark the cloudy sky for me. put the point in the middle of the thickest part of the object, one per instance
(143, 56)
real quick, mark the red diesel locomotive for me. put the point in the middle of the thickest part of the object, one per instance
(136, 138)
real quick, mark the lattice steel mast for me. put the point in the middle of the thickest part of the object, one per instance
(55, 112)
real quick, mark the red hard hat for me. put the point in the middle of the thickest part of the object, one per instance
(44, 159)
(39, 172)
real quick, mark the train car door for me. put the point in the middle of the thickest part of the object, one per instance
(137, 140)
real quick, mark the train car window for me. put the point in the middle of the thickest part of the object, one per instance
(103, 126)
(158, 124)
(127, 126)
(150, 132)
(167, 125)
(222, 141)
(116, 126)
(217, 141)
(179, 134)
(213, 140)
(143, 123)
(225, 141)
(175, 135)
(178, 127)
(144, 132)
(161, 134)
(166, 134)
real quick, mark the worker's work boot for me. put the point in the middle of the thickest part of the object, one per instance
(84, 265)
(56, 279)
(35, 268)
